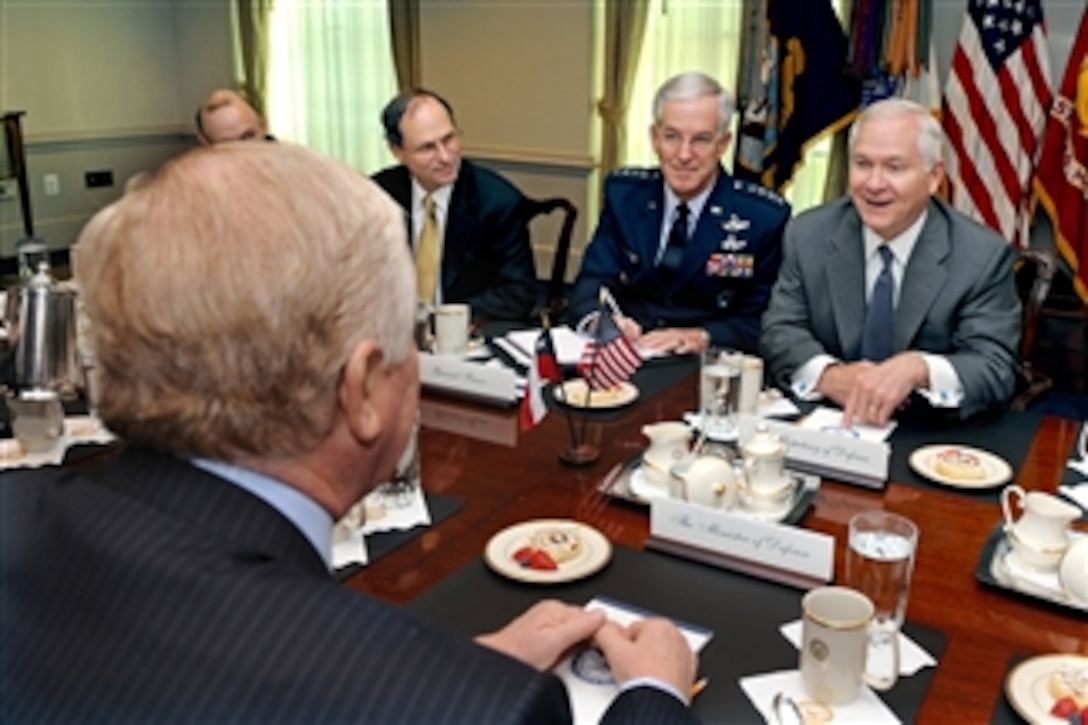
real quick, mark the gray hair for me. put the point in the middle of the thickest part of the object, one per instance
(689, 86)
(227, 291)
(930, 135)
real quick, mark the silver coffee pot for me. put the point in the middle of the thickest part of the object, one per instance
(41, 325)
(43, 333)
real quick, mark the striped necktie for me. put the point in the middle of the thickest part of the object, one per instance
(427, 253)
(876, 341)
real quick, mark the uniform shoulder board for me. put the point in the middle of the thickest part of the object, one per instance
(753, 189)
(635, 173)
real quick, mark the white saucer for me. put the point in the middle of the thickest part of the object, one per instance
(640, 485)
(1027, 685)
(596, 551)
(997, 471)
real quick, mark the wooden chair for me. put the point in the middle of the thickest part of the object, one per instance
(556, 303)
(1034, 271)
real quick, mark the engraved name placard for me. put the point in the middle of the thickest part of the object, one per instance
(469, 379)
(778, 547)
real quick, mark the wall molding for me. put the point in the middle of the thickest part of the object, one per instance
(530, 157)
(83, 141)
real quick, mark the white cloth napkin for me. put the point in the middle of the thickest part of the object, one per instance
(771, 404)
(589, 682)
(912, 657)
(721, 431)
(867, 708)
(77, 429)
(373, 515)
(830, 420)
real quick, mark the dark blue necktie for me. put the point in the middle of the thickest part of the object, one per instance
(678, 241)
(876, 341)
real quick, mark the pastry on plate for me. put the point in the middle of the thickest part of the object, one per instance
(562, 544)
(959, 465)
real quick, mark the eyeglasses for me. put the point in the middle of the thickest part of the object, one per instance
(446, 143)
(700, 144)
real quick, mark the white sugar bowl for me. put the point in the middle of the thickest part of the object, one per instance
(707, 481)
(1073, 571)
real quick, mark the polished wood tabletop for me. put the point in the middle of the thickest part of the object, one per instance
(476, 455)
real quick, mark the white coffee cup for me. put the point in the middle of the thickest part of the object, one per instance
(751, 384)
(837, 632)
(451, 329)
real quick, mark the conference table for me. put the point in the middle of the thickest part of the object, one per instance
(475, 455)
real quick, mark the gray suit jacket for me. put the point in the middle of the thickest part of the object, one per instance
(957, 299)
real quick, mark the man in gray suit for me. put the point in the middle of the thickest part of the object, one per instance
(264, 379)
(890, 292)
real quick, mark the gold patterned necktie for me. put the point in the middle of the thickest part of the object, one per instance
(427, 253)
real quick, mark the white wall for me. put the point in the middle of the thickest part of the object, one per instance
(105, 86)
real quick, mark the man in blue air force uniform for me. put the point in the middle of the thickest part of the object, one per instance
(688, 252)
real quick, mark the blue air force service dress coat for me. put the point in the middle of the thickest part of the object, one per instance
(729, 265)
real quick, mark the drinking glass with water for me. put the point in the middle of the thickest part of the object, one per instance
(880, 562)
(719, 391)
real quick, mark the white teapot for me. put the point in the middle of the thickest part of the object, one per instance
(1039, 537)
(765, 464)
(706, 480)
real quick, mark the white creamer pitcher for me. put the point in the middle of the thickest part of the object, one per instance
(1039, 536)
(669, 441)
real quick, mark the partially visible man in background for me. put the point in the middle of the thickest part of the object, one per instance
(258, 361)
(466, 224)
(226, 116)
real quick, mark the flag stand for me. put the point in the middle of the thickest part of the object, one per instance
(582, 454)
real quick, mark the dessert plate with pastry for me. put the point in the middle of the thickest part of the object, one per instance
(960, 466)
(1050, 688)
(548, 551)
(577, 394)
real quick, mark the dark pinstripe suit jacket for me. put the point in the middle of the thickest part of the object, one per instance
(152, 591)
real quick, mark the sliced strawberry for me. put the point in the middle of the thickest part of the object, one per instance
(524, 556)
(542, 560)
(1064, 707)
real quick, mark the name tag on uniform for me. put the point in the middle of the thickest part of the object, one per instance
(736, 266)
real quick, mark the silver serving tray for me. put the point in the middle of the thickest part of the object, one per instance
(993, 570)
(617, 484)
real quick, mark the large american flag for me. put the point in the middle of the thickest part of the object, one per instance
(995, 109)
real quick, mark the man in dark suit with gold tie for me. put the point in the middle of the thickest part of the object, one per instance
(688, 252)
(889, 296)
(264, 379)
(467, 225)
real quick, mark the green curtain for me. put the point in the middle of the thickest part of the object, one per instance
(625, 24)
(253, 40)
(404, 37)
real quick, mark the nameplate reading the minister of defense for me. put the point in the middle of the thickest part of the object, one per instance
(779, 547)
